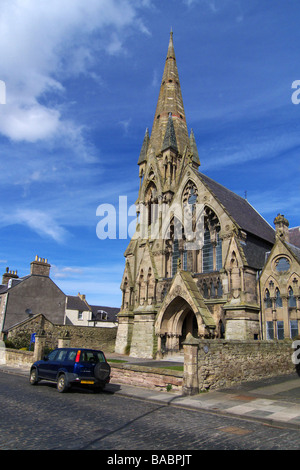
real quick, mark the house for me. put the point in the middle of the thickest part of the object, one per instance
(79, 312)
(23, 298)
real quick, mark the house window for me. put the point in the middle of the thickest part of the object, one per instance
(270, 330)
(80, 315)
(280, 330)
(294, 328)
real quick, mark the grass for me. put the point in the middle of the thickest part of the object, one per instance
(116, 360)
(180, 368)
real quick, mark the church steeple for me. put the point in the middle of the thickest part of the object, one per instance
(170, 101)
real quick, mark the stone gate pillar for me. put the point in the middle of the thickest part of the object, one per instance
(190, 370)
(39, 346)
(64, 340)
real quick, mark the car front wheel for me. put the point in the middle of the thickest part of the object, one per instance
(62, 383)
(33, 378)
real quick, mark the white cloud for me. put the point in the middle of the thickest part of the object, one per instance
(43, 42)
(41, 222)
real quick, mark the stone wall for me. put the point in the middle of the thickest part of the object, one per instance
(215, 364)
(149, 377)
(81, 336)
(17, 358)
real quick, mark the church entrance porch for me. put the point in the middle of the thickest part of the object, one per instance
(174, 325)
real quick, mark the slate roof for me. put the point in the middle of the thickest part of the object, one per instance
(295, 250)
(241, 211)
(255, 252)
(111, 313)
(76, 303)
(294, 236)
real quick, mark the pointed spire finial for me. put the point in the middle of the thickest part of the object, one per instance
(169, 100)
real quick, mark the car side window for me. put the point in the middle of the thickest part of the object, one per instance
(71, 356)
(61, 355)
(52, 355)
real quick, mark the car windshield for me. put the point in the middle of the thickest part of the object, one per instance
(92, 356)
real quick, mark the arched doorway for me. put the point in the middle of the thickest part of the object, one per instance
(173, 325)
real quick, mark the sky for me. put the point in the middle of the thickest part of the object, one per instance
(79, 86)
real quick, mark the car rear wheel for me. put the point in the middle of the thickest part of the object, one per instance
(102, 371)
(33, 378)
(62, 383)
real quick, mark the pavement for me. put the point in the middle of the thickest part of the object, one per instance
(274, 401)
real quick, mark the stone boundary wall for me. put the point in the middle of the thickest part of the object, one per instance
(148, 377)
(17, 358)
(90, 337)
(215, 364)
(81, 336)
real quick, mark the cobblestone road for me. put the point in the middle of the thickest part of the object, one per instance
(40, 418)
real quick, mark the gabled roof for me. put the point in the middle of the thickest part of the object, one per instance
(190, 284)
(74, 302)
(241, 211)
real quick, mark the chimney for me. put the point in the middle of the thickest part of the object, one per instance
(282, 228)
(40, 267)
(9, 275)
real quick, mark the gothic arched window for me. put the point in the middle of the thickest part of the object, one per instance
(151, 201)
(292, 298)
(207, 253)
(268, 301)
(179, 253)
(278, 299)
(212, 243)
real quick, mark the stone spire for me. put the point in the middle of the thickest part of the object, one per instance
(194, 150)
(169, 101)
(144, 149)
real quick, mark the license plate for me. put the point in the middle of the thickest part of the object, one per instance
(90, 382)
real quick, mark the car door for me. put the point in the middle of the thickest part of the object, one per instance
(45, 366)
(57, 363)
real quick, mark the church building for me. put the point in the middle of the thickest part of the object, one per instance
(195, 261)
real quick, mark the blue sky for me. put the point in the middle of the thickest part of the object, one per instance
(82, 81)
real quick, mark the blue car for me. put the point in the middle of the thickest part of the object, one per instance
(70, 366)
